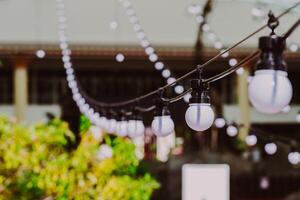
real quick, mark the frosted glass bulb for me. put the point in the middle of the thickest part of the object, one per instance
(220, 122)
(232, 131)
(103, 123)
(121, 128)
(136, 128)
(199, 116)
(40, 53)
(294, 158)
(270, 148)
(251, 140)
(270, 91)
(111, 126)
(162, 126)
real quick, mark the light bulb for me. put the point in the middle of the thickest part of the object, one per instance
(220, 122)
(111, 126)
(199, 116)
(121, 128)
(120, 57)
(232, 131)
(270, 148)
(103, 122)
(162, 126)
(251, 140)
(179, 89)
(40, 53)
(159, 65)
(294, 157)
(264, 183)
(136, 128)
(270, 91)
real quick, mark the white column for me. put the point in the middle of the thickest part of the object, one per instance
(20, 90)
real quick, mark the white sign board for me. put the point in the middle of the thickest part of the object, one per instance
(205, 182)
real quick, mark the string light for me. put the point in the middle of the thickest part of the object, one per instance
(142, 37)
(162, 124)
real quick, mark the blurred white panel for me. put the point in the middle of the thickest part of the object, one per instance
(231, 114)
(205, 182)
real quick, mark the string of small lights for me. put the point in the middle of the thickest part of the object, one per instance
(149, 48)
(199, 116)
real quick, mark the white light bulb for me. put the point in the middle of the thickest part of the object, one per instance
(40, 53)
(218, 45)
(162, 126)
(159, 65)
(251, 140)
(224, 55)
(200, 19)
(111, 126)
(294, 158)
(153, 57)
(232, 131)
(103, 122)
(199, 116)
(233, 62)
(121, 128)
(293, 47)
(120, 57)
(136, 128)
(113, 25)
(187, 97)
(205, 28)
(240, 71)
(166, 73)
(270, 148)
(194, 9)
(179, 89)
(264, 183)
(270, 91)
(171, 80)
(220, 122)
(149, 50)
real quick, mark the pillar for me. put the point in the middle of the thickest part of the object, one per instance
(243, 103)
(20, 81)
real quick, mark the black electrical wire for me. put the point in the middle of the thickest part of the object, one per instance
(131, 101)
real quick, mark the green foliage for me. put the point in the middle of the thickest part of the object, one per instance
(34, 164)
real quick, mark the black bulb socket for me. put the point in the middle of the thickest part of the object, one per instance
(271, 57)
(161, 107)
(200, 93)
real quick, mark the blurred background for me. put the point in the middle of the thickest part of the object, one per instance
(113, 61)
